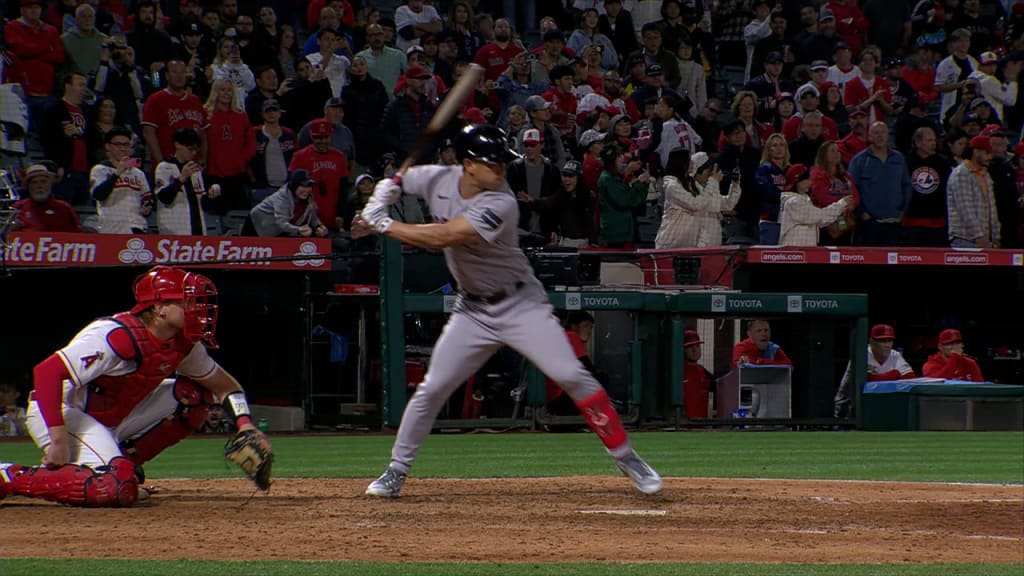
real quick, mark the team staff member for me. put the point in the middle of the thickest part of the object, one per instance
(108, 402)
(950, 362)
(501, 302)
(579, 328)
(758, 347)
(884, 363)
(329, 167)
(696, 378)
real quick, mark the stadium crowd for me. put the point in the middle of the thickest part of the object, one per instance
(641, 123)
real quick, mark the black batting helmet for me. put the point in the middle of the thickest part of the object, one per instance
(485, 143)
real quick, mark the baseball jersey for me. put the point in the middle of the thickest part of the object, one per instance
(894, 368)
(675, 135)
(89, 356)
(497, 264)
(329, 170)
(167, 112)
(121, 211)
(182, 215)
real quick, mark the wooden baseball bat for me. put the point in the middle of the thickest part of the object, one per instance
(445, 112)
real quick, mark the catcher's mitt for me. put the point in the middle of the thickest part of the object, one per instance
(250, 450)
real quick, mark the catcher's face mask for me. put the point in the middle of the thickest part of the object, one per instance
(197, 295)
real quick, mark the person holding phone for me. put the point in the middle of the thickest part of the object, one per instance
(122, 193)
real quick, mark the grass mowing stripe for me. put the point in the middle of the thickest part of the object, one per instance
(270, 568)
(902, 456)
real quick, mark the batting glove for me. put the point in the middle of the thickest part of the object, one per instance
(376, 215)
(387, 191)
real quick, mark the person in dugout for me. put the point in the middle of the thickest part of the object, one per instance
(950, 362)
(758, 347)
(696, 378)
(109, 401)
(884, 363)
(579, 327)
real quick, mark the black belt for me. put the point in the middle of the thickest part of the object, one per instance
(493, 298)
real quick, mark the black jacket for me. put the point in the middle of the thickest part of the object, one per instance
(551, 184)
(365, 100)
(56, 145)
(402, 124)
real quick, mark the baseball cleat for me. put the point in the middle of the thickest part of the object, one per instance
(389, 485)
(643, 476)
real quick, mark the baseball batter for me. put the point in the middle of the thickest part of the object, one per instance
(500, 300)
(108, 402)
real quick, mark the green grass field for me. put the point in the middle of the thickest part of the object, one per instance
(993, 457)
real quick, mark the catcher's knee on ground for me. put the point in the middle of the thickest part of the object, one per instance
(113, 485)
(193, 407)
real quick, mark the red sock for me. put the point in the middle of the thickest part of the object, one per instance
(602, 418)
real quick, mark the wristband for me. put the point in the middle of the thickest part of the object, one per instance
(237, 405)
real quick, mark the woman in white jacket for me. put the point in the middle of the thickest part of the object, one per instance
(693, 202)
(799, 218)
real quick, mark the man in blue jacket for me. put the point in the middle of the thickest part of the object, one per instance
(881, 176)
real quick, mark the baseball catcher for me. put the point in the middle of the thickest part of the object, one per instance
(125, 389)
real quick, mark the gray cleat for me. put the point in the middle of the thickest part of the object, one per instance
(389, 485)
(643, 476)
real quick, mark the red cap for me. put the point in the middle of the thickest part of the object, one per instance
(882, 332)
(794, 174)
(981, 143)
(691, 338)
(949, 336)
(417, 71)
(992, 130)
(474, 115)
(320, 127)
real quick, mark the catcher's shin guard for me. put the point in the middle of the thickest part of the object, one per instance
(193, 407)
(600, 414)
(113, 485)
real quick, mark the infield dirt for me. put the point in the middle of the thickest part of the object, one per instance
(538, 520)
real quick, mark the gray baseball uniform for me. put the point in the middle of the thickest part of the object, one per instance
(500, 303)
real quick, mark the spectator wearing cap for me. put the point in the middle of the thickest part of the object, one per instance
(121, 190)
(496, 56)
(530, 178)
(328, 166)
(884, 364)
(446, 153)
(998, 93)
(591, 143)
(231, 146)
(850, 22)
(768, 86)
(757, 30)
(342, 137)
(973, 220)
(653, 52)
(950, 362)
(37, 45)
(169, 109)
(63, 133)
(868, 91)
(924, 222)
(857, 140)
(843, 70)
(819, 75)
(778, 41)
(267, 88)
(413, 20)
(383, 62)
(654, 87)
(180, 187)
(880, 173)
(365, 100)
(275, 146)
(291, 211)
(616, 23)
(952, 72)
(621, 188)
(571, 209)
(588, 35)
(823, 42)
(334, 66)
(696, 378)
(406, 116)
(539, 111)
(40, 211)
(563, 100)
(900, 89)
(808, 99)
(189, 50)
(83, 43)
(1004, 187)
(800, 220)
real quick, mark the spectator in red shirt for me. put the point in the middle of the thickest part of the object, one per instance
(857, 139)
(41, 212)
(579, 326)
(868, 91)
(696, 378)
(232, 144)
(63, 137)
(758, 348)
(37, 45)
(329, 167)
(496, 56)
(850, 22)
(169, 109)
(950, 362)
(563, 109)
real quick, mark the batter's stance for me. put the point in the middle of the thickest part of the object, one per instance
(500, 300)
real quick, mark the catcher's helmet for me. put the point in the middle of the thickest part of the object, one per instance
(196, 292)
(485, 143)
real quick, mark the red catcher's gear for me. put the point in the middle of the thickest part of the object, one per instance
(111, 398)
(166, 283)
(113, 485)
(193, 405)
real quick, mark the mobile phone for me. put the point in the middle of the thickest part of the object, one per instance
(134, 162)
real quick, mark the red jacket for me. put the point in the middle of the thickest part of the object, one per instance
(850, 23)
(923, 81)
(230, 143)
(773, 355)
(696, 390)
(40, 51)
(855, 92)
(956, 367)
(54, 215)
(825, 190)
(563, 106)
(850, 146)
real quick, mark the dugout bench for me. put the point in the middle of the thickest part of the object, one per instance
(655, 352)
